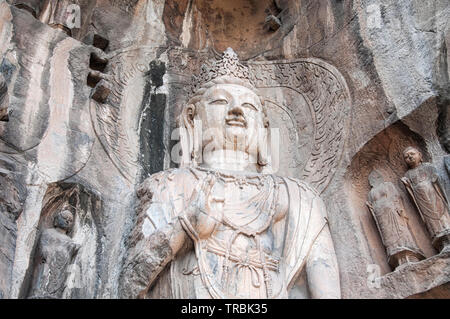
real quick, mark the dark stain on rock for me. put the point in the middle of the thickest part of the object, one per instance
(152, 127)
(157, 71)
(152, 121)
(443, 99)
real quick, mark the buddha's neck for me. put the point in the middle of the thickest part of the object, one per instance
(231, 160)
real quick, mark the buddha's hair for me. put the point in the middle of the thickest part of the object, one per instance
(412, 148)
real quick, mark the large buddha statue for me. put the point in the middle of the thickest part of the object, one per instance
(223, 225)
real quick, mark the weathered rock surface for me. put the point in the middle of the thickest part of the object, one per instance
(97, 109)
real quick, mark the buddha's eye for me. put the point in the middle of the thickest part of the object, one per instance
(250, 106)
(219, 101)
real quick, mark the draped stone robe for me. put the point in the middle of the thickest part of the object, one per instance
(386, 206)
(424, 186)
(55, 252)
(197, 271)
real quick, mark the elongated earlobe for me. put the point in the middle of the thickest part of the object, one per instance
(196, 155)
(263, 147)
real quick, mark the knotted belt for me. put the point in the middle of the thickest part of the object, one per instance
(246, 261)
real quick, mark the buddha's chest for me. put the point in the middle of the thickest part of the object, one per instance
(242, 206)
(241, 215)
(419, 175)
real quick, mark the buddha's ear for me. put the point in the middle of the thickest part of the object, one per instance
(263, 143)
(421, 156)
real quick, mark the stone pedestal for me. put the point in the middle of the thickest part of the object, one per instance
(429, 277)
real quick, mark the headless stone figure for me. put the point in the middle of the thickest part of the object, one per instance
(55, 252)
(386, 206)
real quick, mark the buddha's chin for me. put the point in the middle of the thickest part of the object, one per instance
(236, 133)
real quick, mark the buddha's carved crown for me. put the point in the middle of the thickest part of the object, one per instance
(228, 65)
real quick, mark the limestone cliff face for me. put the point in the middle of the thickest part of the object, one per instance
(88, 105)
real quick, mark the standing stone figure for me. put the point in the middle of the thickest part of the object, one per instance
(422, 183)
(221, 226)
(386, 206)
(55, 252)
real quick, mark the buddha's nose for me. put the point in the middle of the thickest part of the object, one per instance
(236, 111)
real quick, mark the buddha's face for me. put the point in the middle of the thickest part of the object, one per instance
(233, 113)
(375, 178)
(412, 157)
(64, 220)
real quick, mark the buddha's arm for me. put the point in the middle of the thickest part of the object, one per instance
(148, 258)
(152, 252)
(322, 267)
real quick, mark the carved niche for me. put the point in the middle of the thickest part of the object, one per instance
(384, 154)
(69, 257)
(54, 254)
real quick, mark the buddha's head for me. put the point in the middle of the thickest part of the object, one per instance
(63, 220)
(412, 157)
(225, 112)
(375, 178)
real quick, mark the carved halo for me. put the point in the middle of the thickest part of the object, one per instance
(320, 86)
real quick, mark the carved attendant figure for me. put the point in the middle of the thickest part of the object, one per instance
(222, 226)
(55, 252)
(422, 183)
(386, 206)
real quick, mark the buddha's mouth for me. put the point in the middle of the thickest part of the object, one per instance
(240, 122)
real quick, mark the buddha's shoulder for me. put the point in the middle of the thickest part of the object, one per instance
(303, 186)
(177, 176)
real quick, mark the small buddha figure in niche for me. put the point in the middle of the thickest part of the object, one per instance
(386, 205)
(423, 184)
(54, 253)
